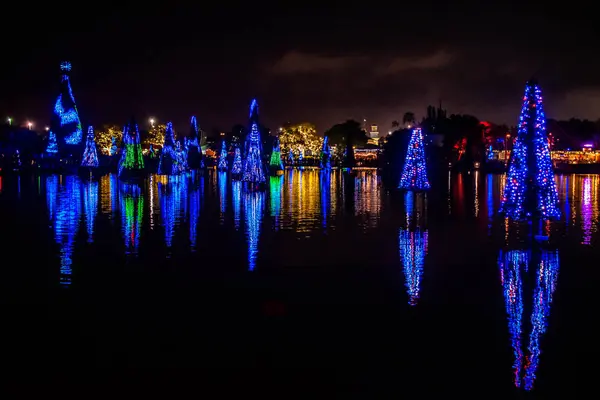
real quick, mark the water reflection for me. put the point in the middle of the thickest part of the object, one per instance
(222, 179)
(172, 198)
(367, 198)
(109, 195)
(579, 196)
(412, 243)
(132, 211)
(236, 199)
(275, 184)
(253, 211)
(196, 199)
(63, 198)
(325, 197)
(90, 206)
(515, 275)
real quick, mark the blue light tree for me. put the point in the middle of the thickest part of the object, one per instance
(530, 189)
(65, 120)
(90, 155)
(291, 157)
(52, 147)
(236, 168)
(223, 157)
(194, 158)
(253, 166)
(326, 154)
(275, 161)
(414, 173)
(167, 164)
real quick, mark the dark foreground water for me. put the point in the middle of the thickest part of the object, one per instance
(394, 292)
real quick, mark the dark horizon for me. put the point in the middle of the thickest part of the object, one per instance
(174, 62)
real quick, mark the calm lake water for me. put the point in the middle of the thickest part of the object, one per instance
(319, 271)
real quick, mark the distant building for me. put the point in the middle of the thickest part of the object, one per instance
(373, 135)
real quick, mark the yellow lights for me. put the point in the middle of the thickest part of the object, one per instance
(30, 125)
(47, 129)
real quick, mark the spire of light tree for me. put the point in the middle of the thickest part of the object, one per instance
(236, 168)
(414, 173)
(291, 157)
(131, 153)
(223, 157)
(65, 118)
(90, 155)
(194, 153)
(530, 189)
(168, 156)
(52, 147)
(275, 162)
(326, 154)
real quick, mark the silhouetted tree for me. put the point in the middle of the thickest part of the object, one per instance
(349, 132)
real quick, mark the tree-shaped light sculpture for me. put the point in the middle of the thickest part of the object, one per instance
(223, 157)
(90, 155)
(414, 173)
(530, 189)
(168, 156)
(65, 119)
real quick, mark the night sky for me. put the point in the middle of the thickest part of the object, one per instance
(321, 65)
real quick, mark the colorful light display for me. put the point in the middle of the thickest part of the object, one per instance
(253, 211)
(530, 189)
(414, 173)
(65, 121)
(412, 245)
(131, 154)
(275, 161)
(90, 155)
(223, 157)
(132, 212)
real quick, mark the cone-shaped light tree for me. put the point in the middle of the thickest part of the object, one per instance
(52, 147)
(65, 119)
(275, 162)
(414, 173)
(253, 165)
(326, 154)
(168, 156)
(530, 189)
(90, 155)
(131, 160)
(194, 158)
(236, 168)
(291, 157)
(223, 157)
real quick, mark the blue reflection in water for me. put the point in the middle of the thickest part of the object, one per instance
(196, 199)
(253, 211)
(64, 205)
(172, 199)
(514, 265)
(413, 243)
(275, 183)
(587, 210)
(236, 195)
(490, 201)
(90, 207)
(222, 178)
(132, 209)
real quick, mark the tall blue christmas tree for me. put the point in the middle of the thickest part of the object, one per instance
(530, 189)
(52, 147)
(414, 173)
(65, 120)
(194, 158)
(223, 157)
(236, 168)
(326, 154)
(168, 156)
(90, 156)
(253, 166)
(291, 157)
